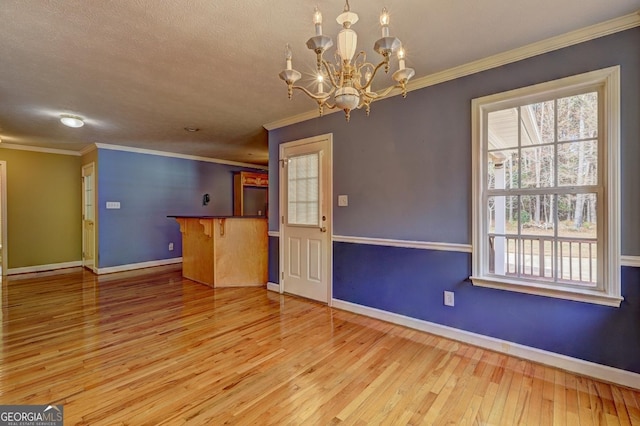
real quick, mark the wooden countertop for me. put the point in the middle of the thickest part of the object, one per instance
(190, 216)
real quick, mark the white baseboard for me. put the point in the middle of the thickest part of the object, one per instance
(574, 365)
(273, 287)
(43, 268)
(141, 265)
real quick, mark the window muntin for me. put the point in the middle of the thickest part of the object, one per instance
(544, 221)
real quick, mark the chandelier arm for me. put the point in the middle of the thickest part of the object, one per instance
(366, 66)
(373, 74)
(375, 96)
(330, 72)
(331, 68)
(364, 58)
(385, 92)
(312, 95)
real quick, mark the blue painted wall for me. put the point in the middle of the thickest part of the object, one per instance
(407, 171)
(150, 187)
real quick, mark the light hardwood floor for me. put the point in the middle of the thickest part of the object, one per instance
(150, 348)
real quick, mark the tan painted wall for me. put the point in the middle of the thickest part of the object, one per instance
(43, 208)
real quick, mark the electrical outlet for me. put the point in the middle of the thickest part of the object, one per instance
(448, 298)
(170, 246)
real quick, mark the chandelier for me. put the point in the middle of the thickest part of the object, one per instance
(348, 80)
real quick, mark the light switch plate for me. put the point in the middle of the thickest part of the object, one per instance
(343, 200)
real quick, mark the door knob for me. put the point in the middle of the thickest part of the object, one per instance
(323, 229)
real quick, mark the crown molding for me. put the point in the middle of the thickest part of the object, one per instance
(534, 49)
(582, 35)
(39, 149)
(174, 155)
(87, 149)
(95, 146)
(298, 118)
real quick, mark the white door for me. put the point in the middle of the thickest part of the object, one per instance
(88, 216)
(305, 223)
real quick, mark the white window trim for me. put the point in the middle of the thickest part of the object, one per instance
(610, 293)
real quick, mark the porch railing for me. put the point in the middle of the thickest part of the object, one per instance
(550, 258)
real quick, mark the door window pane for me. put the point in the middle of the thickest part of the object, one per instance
(88, 197)
(303, 190)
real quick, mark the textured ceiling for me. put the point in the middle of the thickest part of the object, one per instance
(140, 71)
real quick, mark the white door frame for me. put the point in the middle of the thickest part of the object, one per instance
(282, 207)
(3, 214)
(94, 265)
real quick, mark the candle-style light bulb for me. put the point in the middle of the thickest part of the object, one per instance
(384, 22)
(367, 78)
(320, 79)
(288, 54)
(317, 20)
(401, 63)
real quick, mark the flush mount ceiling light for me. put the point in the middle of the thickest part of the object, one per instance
(349, 79)
(71, 120)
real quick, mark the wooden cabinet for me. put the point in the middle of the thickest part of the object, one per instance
(224, 252)
(250, 194)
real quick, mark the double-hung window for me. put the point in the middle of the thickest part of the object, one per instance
(545, 189)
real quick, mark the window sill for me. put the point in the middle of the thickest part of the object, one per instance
(578, 295)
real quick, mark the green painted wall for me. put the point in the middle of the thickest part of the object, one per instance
(43, 208)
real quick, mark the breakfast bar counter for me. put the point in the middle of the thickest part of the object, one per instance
(224, 251)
